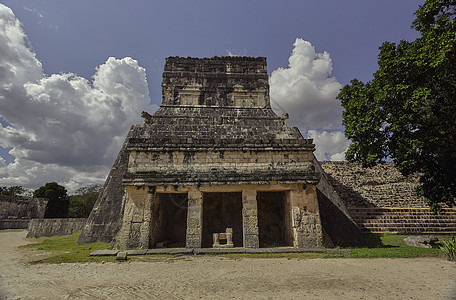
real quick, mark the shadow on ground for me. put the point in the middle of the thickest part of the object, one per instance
(374, 240)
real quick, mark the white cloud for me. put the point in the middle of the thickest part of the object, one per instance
(62, 127)
(235, 52)
(34, 11)
(329, 145)
(307, 91)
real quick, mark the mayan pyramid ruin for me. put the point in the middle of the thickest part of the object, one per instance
(214, 157)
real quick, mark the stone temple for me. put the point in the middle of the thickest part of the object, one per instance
(215, 156)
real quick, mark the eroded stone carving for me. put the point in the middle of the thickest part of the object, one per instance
(226, 236)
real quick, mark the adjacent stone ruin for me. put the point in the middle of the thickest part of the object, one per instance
(380, 199)
(215, 156)
(50, 227)
(379, 186)
(16, 212)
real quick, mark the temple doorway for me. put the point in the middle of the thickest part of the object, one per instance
(274, 222)
(221, 211)
(169, 220)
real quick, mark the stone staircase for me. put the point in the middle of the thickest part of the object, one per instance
(404, 220)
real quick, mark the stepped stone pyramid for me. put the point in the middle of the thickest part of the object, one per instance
(216, 156)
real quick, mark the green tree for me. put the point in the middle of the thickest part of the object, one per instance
(82, 202)
(12, 190)
(407, 112)
(58, 204)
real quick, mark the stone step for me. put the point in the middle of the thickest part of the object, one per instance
(406, 220)
(411, 230)
(404, 225)
(361, 221)
(397, 213)
(373, 226)
(398, 219)
(403, 216)
(402, 211)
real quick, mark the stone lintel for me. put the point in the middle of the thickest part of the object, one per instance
(196, 179)
(267, 187)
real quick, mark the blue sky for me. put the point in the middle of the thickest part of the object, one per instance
(78, 37)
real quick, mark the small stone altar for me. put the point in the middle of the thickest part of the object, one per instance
(223, 236)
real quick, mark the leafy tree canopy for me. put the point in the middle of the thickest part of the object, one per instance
(407, 112)
(12, 190)
(58, 204)
(82, 202)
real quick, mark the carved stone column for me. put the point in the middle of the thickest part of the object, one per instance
(250, 218)
(305, 217)
(194, 219)
(135, 229)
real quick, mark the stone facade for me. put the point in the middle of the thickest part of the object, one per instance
(216, 145)
(49, 227)
(15, 212)
(215, 156)
(381, 200)
(105, 218)
(22, 208)
(379, 186)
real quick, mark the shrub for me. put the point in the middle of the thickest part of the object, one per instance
(449, 248)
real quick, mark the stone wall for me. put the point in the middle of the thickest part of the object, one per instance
(105, 218)
(382, 200)
(14, 223)
(405, 220)
(21, 208)
(16, 212)
(339, 228)
(380, 186)
(50, 227)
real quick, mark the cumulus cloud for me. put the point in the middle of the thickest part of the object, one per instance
(329, 145)
(307, 91)
(63, 127)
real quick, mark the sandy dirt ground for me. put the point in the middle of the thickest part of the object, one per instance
(203, 277)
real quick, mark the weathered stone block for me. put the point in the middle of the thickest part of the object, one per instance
(121, 256)
(194, 213)
(251, 241)
(133, 236)
(136, 252)
(193, 241)
(104, 253)
(428, 241)
(194, 230)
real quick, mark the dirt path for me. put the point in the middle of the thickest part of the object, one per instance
(204, 277)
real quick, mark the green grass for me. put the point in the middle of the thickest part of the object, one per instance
(63, 249)
(11, 230)
(306, 255)
(378, 246)
(391, 246)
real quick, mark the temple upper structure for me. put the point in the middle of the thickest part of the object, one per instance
(215, 159)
